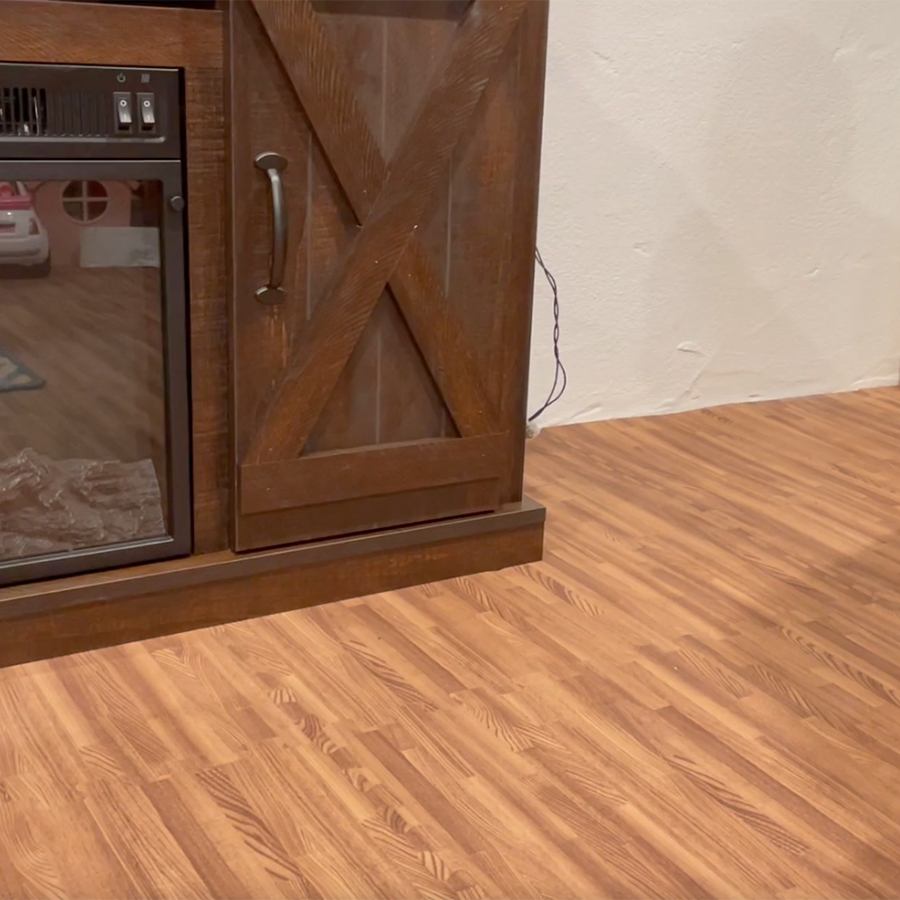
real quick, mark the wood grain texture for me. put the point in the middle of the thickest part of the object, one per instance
(209, 354)
(325, 520)
(351, 120)
(85, 612)
(406, 402)
(334, 330)
(263, 116)
(375, 107)
(695, 695)
(36, 31)
(514, 317)
(353, 413)
(345, 475)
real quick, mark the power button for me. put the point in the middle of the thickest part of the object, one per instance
(124, 113)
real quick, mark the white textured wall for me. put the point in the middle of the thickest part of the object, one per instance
(720, 202)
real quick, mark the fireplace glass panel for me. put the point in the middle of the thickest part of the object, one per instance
(83, 407)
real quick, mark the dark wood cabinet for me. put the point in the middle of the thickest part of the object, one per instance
(382, 382)
(362, 180)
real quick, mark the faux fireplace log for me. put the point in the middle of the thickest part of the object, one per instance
(362, 429)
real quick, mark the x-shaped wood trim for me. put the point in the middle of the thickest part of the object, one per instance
(389, 203)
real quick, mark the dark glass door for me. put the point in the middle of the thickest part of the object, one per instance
(94, 448)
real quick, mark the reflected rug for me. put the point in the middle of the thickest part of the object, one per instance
(15, 376)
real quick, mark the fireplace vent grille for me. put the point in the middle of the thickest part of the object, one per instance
(34, 112)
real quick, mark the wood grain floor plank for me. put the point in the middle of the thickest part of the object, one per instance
(87, 864)
(146, 849)
(194, 840)
(696, 694)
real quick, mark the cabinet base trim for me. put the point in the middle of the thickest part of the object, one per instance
(70, 615)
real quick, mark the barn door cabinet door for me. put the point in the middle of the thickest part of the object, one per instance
(384, 161)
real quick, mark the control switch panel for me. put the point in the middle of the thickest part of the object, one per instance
(124, 111)
(147, 111)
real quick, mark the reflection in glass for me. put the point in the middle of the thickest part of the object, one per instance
(83, 459)
(84, 201)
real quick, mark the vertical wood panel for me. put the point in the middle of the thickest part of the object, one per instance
(411, 406)
(206, 175)
(415, 45)
(481, 217)
(386, 393)
(517, 299)
(350, 418)
(265, 116)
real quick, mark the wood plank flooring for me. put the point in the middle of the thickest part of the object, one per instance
(697, 694)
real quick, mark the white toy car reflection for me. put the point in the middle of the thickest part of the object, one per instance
(23, 240)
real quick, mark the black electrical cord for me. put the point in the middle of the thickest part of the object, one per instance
(559, 386)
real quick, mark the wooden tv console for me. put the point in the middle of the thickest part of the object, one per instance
(363, 429)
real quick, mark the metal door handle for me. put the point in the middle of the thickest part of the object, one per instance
(273, 164)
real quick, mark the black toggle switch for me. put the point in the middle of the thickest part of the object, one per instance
(124, 116)
(147, 111)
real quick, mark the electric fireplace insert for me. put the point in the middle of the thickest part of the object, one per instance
(94, 382)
